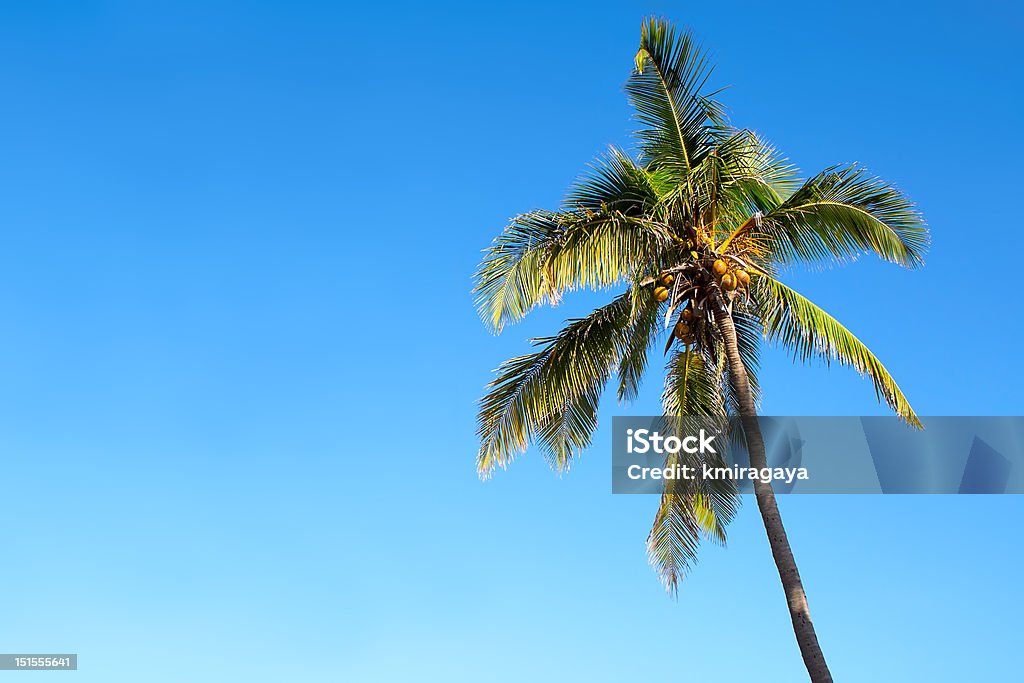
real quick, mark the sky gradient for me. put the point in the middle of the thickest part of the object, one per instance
(239, 358)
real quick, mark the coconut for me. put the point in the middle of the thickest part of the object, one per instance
(687, 314)
(660, 293)
(743, 277)
(681, 330)
(729, 282)
(720, 267)
(667, 279)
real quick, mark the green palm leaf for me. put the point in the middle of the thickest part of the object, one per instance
(640, 335)
(793, 320)
(691, 388)
(552, 394)
(844, 212)
(605, 249)
(689, 509)
(665, 89)
(543, 254)
(675, 534)
(741, 175)
(510, 280)
(615, 182)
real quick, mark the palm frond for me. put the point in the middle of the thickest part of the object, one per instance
(844, 212)
(676, 118)
(691, 387)
(615, 182)
(689, 508)
(675, 536)
(543, 254)
(510, 279)
(688, 511)
(794, 321)
(597, 250)
(552, 394)
(641, 333)
(742, 174)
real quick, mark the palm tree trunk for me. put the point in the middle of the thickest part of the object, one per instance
(799, 612)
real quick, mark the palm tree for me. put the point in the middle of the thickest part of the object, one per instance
(696, 229)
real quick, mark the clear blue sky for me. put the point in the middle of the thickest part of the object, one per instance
(239, 358)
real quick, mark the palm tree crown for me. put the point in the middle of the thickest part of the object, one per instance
(696, 227)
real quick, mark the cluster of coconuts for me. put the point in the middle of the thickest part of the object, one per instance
(683, 331)
(730, 278)
(661, 290)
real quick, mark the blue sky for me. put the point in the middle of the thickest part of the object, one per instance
(239, 358)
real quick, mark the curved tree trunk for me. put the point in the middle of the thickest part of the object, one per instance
(814, 660)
